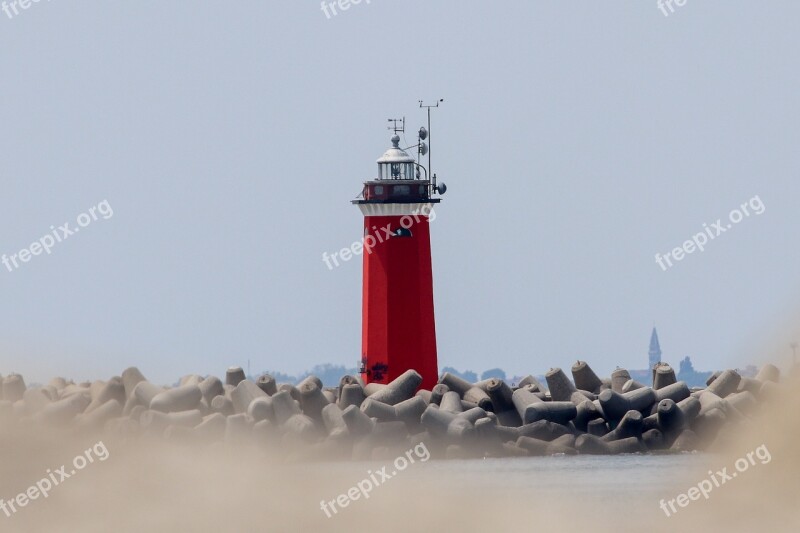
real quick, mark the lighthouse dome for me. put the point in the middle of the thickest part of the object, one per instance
(395, 154)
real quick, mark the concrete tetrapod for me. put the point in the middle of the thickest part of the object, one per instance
(619, 377)
(561, 388)
(183, 398)
(234, 375)
(401, 388)
(665, 375)
(585, 378)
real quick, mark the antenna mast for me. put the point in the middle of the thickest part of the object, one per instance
(429, 107)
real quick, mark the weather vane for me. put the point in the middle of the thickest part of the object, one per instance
(402, 125)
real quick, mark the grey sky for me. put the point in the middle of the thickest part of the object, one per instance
(577, 139)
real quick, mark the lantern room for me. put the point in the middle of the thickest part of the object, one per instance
(399, 180)
(396, 164)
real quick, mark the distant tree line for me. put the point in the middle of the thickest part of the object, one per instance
(331, 374)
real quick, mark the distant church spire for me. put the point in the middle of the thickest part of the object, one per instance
(655, 349)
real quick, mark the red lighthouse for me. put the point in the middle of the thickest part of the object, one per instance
(398, 328)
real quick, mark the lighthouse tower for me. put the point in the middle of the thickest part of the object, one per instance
(398, 329)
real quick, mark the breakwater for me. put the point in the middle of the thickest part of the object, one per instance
(456, 419)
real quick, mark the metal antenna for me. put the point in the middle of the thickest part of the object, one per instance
(428, 107)
(398, 129)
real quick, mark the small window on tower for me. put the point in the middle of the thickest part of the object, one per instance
(402, 232)
(378, 189)
(401, 190)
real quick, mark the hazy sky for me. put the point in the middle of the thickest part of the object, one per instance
(577, 140)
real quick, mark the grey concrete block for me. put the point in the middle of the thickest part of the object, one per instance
(665, 375)
(13, 387)
(234, 375)
(351, 394)
(261, 409)
(451, 401)
(630, 426)
(333, 420)
(183, 398)
(243, 395)
(676, 392)
(144, 392)
(532, 383)
(438, 392)
(401, 388)
(375, 409)
(725, 384)
(543, 430)
(358, 423)
(312, 401)
(130, 378)
(585, 378)
(284, 406)
(632, 385)
(769, 373)
(455, 383)
(267, 383)
(210, 388)
(558, 412)
(222, 405)
(561, 388)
